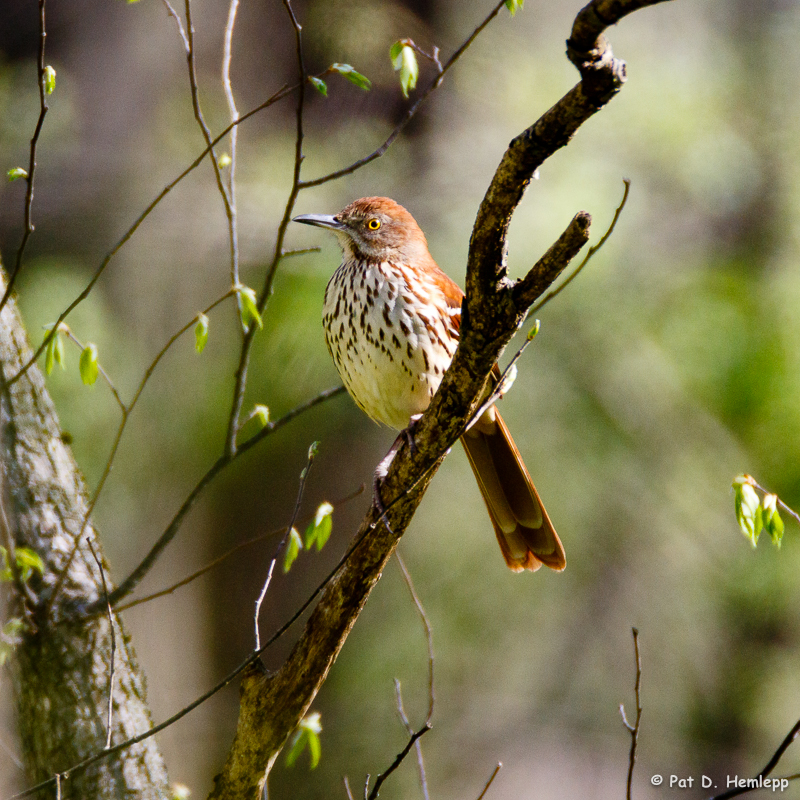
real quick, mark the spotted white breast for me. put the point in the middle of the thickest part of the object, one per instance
(390, 337)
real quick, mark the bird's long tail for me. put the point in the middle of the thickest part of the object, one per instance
(524, 531)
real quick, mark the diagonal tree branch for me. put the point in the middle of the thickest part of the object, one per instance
(272, 705)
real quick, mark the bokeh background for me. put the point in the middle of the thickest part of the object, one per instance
(670, 366)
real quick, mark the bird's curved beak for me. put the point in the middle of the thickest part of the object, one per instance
(320, 220)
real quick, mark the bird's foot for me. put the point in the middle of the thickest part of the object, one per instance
(382, 470)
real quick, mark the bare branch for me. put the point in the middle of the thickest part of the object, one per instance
(181, 30)
(409, 115)
(29, 178)
(132, 581)
(491, 780)
(226, 85)
(217, 561)
(279, 95)
(240, 380)
(312, 451)
(423, 779)
(592, 250)
(126, 412)
(770, 766)
(633, 729)
(426, 624)
(398, 760)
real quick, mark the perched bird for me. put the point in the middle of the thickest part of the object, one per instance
(392, 320)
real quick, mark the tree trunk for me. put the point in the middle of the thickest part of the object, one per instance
(62, 667)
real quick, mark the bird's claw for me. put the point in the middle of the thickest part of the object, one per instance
(382, 470)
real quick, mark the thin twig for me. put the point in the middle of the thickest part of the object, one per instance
(110, 711)
(226, 85)
(407, 117)
(592, 250)
(347, 788)
(423, 778)
(87, 762)
(240, 380)
(43, 108)
(126, 412)
(279, 95)
(491, 780)
(771, 764)
(132, 581)
(300, 251)
(426, 624)
(198, 115)
(312, 451)
(398, 761)
(633, 729)
(227, 554)
(134, 740)
(181, 30)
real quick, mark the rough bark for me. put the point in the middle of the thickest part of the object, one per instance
(62, 668)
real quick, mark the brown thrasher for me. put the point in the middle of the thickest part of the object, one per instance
(392, 319)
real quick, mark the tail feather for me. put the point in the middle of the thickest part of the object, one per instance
(526, 536)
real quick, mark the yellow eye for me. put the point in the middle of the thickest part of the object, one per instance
(374, 224)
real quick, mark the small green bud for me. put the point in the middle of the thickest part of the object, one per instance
(404, 60)
(352, 75)
(201, 333)
(88, 365)
(293, 548)
(49, 78)
(319, 85)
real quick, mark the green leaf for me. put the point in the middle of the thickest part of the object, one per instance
(307, 735)
(296, 746)
(88, 365)
(773, 524)
(16, 173)
(404, 59)
(514, 5)
(54, 352)
(50, 355)
(201, 333)
(49, 79)
(28, 562)
(352, 75)
(248, 307)
(319, 85)
(293, 548)
(748, 509)
(261, 413)
(314, 748)
(319, 530)
(537, 324)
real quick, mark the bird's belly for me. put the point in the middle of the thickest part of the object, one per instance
(390, 359)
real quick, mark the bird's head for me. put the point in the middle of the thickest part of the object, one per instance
(374, 229)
